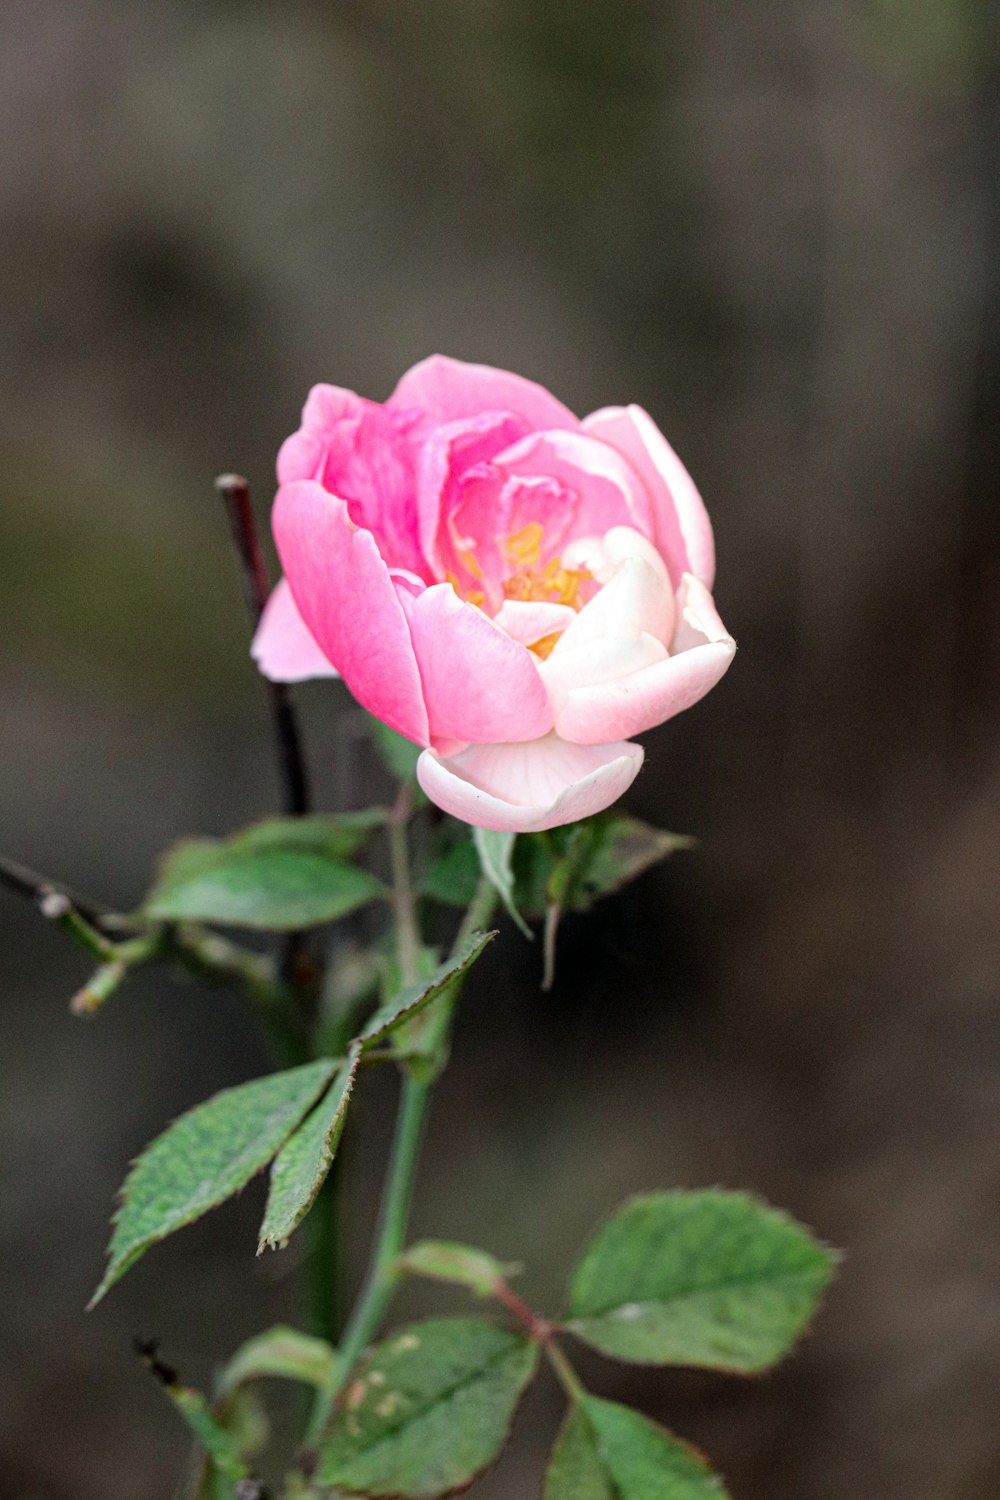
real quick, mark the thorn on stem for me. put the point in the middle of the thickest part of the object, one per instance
(147, 1349)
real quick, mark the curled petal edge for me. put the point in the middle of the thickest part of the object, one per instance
(682, 528)
(633, 704)
(607, 772)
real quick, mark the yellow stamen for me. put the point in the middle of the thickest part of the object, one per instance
(470, 562)
(544, 647)
(529, 581)
(523, 548)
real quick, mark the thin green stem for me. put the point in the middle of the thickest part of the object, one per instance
(404, 906)
(58, 908)
(123, 958)
(325, 1282)
(564, 1371)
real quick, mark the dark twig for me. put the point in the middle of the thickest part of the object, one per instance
(37, 888)
(256, 588)
(235, 493)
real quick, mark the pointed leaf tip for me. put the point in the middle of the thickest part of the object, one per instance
(300, 1167)
(206, 1156)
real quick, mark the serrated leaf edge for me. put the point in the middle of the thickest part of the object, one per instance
(371, 1033)
(524, 1344)
(330, 1143)
(109, 1280)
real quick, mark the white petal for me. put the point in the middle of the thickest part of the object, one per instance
(697, 617)
(638, 600)
(597, 661)
(528, 621)
(529, 787)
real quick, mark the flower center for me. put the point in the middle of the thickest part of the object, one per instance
(535, 582)
(527, 579)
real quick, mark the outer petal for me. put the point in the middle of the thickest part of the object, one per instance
(479, 685)
(682, 529)
(448, 389)
(701, 653)
(366, 456)
(347, 599)
(283, 648)
(600, 661)
(527, 788)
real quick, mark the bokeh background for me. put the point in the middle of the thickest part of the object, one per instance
(776, 227)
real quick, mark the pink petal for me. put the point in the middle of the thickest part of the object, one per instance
(448, 389)
(366, 456)
(527, 788)
(446, 453)
(681, 527)
(608, 491)
(478, 684)
(347, 599)
(282, 647)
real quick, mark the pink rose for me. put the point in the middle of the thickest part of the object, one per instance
(514, 589)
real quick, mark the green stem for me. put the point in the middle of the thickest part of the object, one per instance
(481, 908)
(58, 908)
(404, 907)
(325, 1264)
(390, 1238)
(564, 1371)
(123, 958)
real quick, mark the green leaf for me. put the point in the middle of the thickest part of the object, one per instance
(221, 1446)
(298, 1170)
(623, 849)
(429, 1410)
(398, 754)
(206, 1156)
(254, 880)
(710, 1278)
(443, 1261)
(495, 852)
(336, 835)
(575, 1470)
(454, 875)
(609, 1452)
(411, 1000)
(575, 866)
(279, 1352)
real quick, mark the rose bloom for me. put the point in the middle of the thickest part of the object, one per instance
(514, 589)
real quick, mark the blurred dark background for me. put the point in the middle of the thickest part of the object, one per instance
(774, 226)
